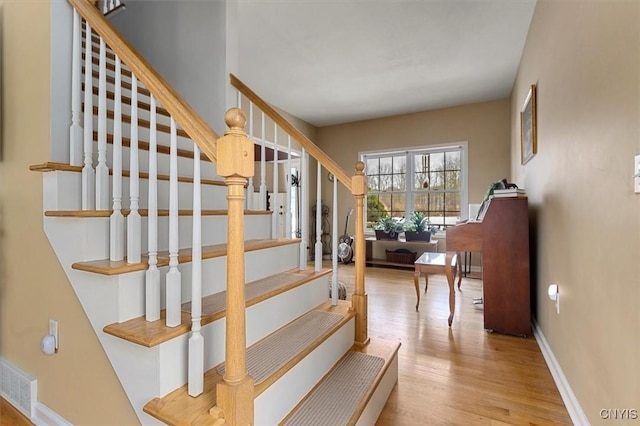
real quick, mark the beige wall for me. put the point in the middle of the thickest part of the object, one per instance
(485, 126)
(78, 382)
(584, 57)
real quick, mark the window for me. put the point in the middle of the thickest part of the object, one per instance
(428, 180)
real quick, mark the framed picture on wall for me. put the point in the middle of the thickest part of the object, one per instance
(528, 133)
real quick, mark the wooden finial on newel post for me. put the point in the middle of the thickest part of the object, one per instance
(359, 299)
(236, 164)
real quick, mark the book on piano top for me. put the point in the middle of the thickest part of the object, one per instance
(511, 192)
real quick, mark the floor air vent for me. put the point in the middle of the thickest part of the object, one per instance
(18, 387)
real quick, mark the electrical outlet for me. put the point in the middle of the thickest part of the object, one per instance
(558, 303)
(636, 174)
(53, 330)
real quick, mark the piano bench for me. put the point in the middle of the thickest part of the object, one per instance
(438, 263)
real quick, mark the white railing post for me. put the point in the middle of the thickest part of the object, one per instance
(304, 208)
(75, 131)
(174, 277)
(88, 173)
(134, 226)
(287, 217)
(263, 169)
(274, 203)
(152, 278)
(116, 252)
(318, 246)
(196, 341)
(102, 171)
(334, 245)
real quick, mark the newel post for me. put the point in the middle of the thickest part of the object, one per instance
(235, 163)
(359, 299)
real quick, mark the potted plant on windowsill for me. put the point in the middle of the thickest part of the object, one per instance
(388, 228)
(418, 228)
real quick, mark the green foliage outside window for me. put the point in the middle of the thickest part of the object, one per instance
(375, 210)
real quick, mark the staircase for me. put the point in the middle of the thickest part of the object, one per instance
(206, 315)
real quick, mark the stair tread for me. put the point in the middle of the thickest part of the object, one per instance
(342, 395)
(178, 407)
(152, 333)
(53, 166)
(107, 267)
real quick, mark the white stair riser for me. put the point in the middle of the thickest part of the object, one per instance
(185, 164)
(62, 191)
(128, 301)
(214, 231)
(213, 196)
(270, 407)
(379, 398)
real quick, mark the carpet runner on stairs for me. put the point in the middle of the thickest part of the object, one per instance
(335, 400)
(273, 352)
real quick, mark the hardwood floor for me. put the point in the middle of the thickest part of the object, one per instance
(461, 375)
(9, 416)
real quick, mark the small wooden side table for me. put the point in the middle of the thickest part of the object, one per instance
(437, 263)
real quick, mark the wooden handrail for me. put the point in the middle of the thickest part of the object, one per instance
(312, 148)
(188, 119)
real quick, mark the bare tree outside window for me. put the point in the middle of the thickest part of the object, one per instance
(434, 185)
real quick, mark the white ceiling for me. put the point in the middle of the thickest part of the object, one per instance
(337, 61)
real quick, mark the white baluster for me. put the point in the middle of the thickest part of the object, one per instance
(117, 3)
(152, 283)
(263, 169)
(134, 227)
(116, 252)
(304, 209)
(88, 173)
(174, 277)
(287, 220)
(196, 341)
(111, 5)
(105, 7)
(318, 246)
(102, 171)
(75, 131)
(334, 245)
(275, 217)
(250, 188)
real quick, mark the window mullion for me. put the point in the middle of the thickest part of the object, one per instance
(409, 196)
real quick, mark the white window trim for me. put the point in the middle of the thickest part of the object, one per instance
(464, 179)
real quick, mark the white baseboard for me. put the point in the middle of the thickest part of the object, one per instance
(44, 416)
(576, 413)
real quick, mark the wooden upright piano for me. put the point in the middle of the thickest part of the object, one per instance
(503, 238)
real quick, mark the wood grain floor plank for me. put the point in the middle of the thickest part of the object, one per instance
(458, 375)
